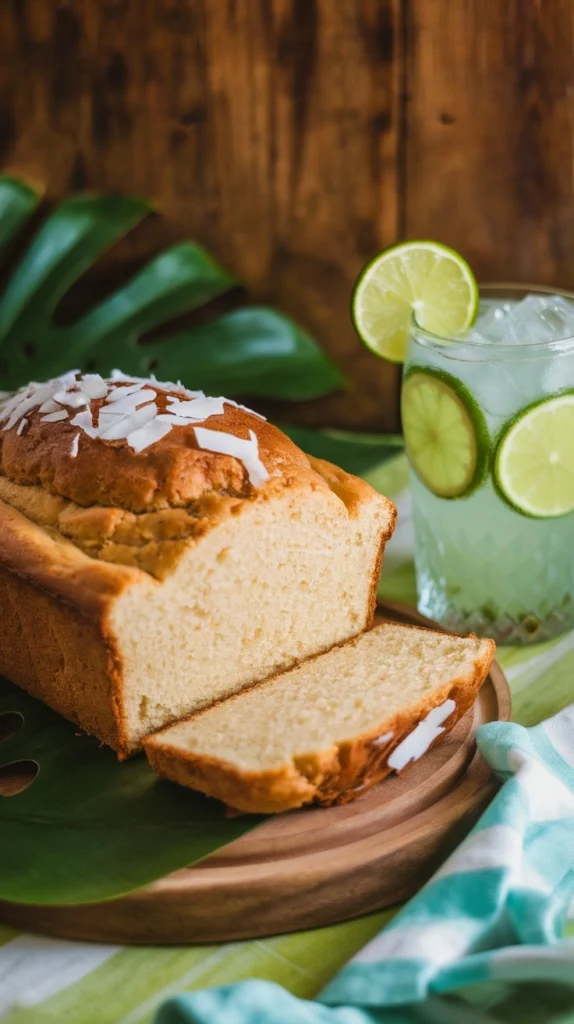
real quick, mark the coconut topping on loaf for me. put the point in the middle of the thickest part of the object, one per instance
(138, 444)
(131, 469)
(129, 410)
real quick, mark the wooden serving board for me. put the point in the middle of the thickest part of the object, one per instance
(310, 867)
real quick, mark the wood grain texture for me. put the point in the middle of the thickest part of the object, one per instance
(490, 134)
(313, 866)
(265, 129)
(297, 137)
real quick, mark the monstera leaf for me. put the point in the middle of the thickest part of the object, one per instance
(355, 453)
(251, 351)
(88, 828)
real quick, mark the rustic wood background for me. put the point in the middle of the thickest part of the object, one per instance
(295, 138)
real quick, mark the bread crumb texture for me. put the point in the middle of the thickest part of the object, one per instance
(326, 729)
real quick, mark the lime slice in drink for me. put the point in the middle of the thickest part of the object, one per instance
(445, 433)
(534, 462)
(424, 277)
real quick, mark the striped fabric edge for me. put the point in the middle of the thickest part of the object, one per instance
(510, 882)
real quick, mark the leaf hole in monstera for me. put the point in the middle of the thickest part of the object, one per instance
(82, 289)
(10, 723)
(16, 777)
(114, 269)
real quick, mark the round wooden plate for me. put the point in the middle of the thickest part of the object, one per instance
(310, 867)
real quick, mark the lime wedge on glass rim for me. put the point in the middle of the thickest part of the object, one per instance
(534, 460)
(446, 436)
(425, 277)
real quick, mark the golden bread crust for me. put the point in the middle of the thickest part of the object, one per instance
(143, 509)
(56, 566)
(55, 638)
(155, 541)
(332, 776)
(62, 657)
(169, 474)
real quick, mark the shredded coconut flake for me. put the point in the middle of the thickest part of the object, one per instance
(381, 740)
(174, 421)
(228, 444)
(123, 426)
(85, 422)
(147, 435)
(53, 417)
(129, 403)
(117, 394)
(198, 409)
(75, 445)
(94, 385)
(162, 385)
(25, 400)
(75, 399)
(22, 426)
(50, 406)
(237, 405)
(423, 735)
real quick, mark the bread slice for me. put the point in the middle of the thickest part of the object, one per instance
(330, 727)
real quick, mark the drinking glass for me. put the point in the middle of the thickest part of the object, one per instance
(482, 566)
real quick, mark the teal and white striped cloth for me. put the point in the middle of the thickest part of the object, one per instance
(494, 912)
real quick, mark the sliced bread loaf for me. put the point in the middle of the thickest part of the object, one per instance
(330, 727)
(161, 550)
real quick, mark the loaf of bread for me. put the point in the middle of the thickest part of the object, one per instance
(161, 550)
(326, 730)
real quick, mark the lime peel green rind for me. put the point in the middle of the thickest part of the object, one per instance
(422, 278)
(445, 433)
(534, 458)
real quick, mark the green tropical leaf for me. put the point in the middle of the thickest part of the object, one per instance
(251, 351)
(355, 453)
(17, 202)
(89, 827)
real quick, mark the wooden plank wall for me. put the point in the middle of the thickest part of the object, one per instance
(490, 133)
(297, 137)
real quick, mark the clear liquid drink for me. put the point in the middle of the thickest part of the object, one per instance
(486, 560)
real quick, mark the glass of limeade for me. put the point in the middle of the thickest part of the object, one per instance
(487, 418)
